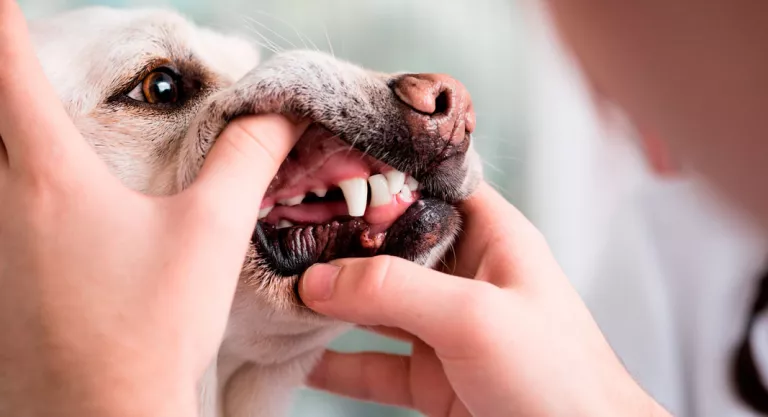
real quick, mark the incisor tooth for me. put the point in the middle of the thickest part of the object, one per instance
(395, 180)
(282, 224)
(379, 190)
(320, 192)
(413, 185)
(356, 194)
(265, 212)
(405, 193)
(293, 201)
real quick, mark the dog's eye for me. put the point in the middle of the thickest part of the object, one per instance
(159, 87)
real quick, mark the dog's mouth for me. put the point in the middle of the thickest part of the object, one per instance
(329, 200)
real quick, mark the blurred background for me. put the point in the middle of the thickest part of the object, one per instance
(541, 140)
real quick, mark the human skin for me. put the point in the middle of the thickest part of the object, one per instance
(507, 342)
(107, 305)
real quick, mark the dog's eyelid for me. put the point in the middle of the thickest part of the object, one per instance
(129, 86)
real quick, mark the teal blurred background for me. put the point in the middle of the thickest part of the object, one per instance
(487, 44)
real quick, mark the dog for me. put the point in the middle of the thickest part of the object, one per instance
(380, 170)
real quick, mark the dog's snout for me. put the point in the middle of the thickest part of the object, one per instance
(435, 105)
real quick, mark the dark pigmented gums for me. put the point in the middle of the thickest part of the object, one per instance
(292, 250)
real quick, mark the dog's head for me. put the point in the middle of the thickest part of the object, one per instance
(379, 171)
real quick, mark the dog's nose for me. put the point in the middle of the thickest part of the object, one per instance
(436, 105)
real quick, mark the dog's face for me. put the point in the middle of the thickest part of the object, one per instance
(379, 171)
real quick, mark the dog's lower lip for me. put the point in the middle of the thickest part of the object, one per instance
(290, 251)
(294, 249)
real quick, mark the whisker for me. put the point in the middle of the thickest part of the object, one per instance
(352, 145)
(286, 23)
(328, 38)
(262, 44)
(498, 187)
(272, 46)
(266, 45)
(272, 32)
(492, 166)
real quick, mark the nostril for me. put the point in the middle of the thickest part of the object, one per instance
(442, 102)
(435, 105)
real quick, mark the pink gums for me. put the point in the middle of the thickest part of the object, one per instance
(320, 161)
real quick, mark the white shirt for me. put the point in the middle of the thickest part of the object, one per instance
(672, 290)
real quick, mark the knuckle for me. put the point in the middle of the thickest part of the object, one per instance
(373, 277)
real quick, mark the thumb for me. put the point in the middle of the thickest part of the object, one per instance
(243, 162)
(393, 292)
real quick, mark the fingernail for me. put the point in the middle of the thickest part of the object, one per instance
(318, 282)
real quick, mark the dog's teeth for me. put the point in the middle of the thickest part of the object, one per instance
(413, 185)
(320, 192)
(282, 224)
(293, 201)
(405, 193)
(265, 212)
(379, 190)
(395, 180)
(356, 194)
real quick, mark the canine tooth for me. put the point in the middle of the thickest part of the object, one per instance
(320, 192)
(405, 193)
(293, 201)
(395, 180)
(265, 212)
(282, 224)
(356, 194)
(379, 190)
(413, 185)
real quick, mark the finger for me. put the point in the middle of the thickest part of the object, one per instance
(392, 292)
(496, 229)
(242, 163)
(391, 332)
(367, 376)
(33, 124)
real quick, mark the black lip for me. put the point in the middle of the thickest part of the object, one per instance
(290, 251)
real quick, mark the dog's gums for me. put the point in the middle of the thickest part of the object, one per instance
(330, 200)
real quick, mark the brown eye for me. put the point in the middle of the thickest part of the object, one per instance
(160, 88)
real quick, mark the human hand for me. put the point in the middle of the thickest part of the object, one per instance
(514, 341)
(112, 302)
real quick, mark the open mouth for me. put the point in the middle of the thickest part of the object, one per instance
(329, 200)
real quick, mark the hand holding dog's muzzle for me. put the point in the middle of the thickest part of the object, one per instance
(504, 343)
(113, 302)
